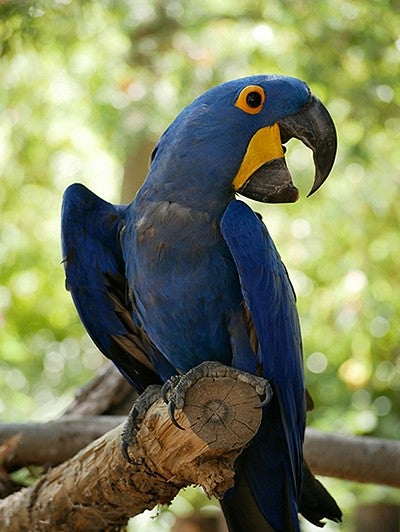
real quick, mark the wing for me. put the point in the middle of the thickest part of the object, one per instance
(270, 299)
(95, 276)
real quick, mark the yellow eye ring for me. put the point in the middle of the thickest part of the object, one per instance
(251, 99)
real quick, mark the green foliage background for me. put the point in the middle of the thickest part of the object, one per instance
(85, 83)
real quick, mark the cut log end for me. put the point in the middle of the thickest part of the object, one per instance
(222, 412)
(219, 418)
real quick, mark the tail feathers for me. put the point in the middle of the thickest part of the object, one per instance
(241, 511)
(263, 497)
(315, 501)
(268, 469)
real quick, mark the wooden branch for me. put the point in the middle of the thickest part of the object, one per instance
(53, 442)
(107, 393)
(363, 459)
(358, 458)
(98, 489)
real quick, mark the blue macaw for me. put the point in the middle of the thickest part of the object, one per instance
(186, 273)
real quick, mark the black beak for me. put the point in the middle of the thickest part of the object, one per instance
(313, 125)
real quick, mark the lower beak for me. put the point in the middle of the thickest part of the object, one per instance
(270, 181)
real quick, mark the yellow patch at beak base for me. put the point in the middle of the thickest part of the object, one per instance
(265, 145)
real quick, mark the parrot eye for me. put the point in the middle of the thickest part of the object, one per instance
(251, 99)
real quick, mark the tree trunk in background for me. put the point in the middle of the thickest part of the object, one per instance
(136, 168)
(106, 394)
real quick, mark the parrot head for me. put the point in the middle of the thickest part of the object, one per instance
(231, 139)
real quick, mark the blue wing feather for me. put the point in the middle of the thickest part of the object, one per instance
(95, 276)
(276, 451)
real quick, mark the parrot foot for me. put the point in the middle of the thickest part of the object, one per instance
(174, 390)
(135, 417)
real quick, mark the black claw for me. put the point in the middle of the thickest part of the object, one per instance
(171, 412)
(165, 389)
(125, 452)
(264, 402)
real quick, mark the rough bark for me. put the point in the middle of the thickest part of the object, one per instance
(358, 458)
(99, 490)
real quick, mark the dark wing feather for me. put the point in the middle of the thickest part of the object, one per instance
(95, 276)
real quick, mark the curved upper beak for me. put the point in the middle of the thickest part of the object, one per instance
(271, 181)
(314, 126)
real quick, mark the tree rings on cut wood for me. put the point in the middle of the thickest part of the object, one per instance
(221, 411)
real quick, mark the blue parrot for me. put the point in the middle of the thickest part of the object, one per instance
(186, 273)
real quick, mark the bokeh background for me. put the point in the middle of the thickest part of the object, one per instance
(87, 87)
